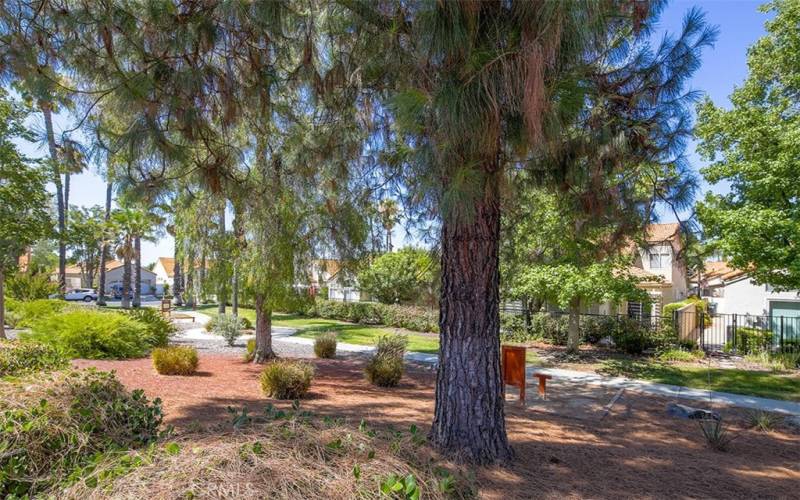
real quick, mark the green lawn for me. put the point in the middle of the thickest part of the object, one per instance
(754, 383)
(347, 333)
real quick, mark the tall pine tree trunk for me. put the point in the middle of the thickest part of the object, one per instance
(137, 272)
(263, 352)
(469, 414)
(2, 303)
(126, 281)
(101, 286)
(221, 298)
(62, 215)
(573, 330)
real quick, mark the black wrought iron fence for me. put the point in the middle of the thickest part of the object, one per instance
(734, 333)
(738, 333)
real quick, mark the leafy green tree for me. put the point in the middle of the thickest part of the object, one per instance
(23, 214)
(133, 224)
(87, 232)
(754, 147)
(399, 277)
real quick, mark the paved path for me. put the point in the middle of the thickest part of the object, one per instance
(286, 343)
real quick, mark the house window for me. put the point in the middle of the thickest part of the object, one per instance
(659, 259)
(655, 261)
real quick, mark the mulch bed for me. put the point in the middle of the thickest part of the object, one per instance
(635, 451)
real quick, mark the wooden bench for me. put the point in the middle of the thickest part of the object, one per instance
(543, 378)
(182, 316)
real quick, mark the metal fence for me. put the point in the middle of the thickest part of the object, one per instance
(738, 333)
(733, 333)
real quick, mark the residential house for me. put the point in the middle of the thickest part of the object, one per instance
(340, 284)
(732, 291)
(164, 269)
(659, 264)
(114, 269)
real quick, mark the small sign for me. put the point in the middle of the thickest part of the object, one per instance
(512, 363)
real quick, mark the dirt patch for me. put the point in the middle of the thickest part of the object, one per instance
(635, 450)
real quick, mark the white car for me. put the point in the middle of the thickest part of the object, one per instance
(84, 294)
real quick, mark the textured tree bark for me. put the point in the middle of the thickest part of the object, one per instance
(62, 217)
(126, 282)
(2, 304)
(263, 352)
(469, 416)
(574, 330)
(137, 272)
(101, 286)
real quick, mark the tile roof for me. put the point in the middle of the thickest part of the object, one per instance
(721, 270)
(655, 233)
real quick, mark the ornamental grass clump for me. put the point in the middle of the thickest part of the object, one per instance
(175, 360)
(287, 379)
(325, 345)
(385, 369)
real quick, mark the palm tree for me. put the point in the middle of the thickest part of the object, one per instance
(134, 224)
(389, 211)
(101, 285)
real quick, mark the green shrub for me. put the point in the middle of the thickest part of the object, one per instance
(544, 326)
(53, 426)
(370, 313)
(25, 286)
(287, 379)
(595, 328)
(384, 372)
(750, 340)
(159, 328)
(92, 334)
(228, 327)
(385, 368)
(630, 336)
(17, 358)
(175, 360)
(28, 312)
(246, 323)
(250, 350)
(325, 345)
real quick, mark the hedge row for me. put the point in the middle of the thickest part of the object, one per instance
(371, 313)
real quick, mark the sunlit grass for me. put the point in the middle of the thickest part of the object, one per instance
(754, 383)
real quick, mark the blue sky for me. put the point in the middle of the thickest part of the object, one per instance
(724, 66)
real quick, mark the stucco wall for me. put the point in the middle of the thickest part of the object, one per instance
(745, 297)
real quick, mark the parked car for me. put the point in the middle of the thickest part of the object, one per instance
(84, 294)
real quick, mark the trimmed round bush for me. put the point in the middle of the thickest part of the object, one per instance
(287, 379)
(17, 358)
(384, 371)
(325, 345)
(175, 360)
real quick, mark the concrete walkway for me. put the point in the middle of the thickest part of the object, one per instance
(286, 335)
